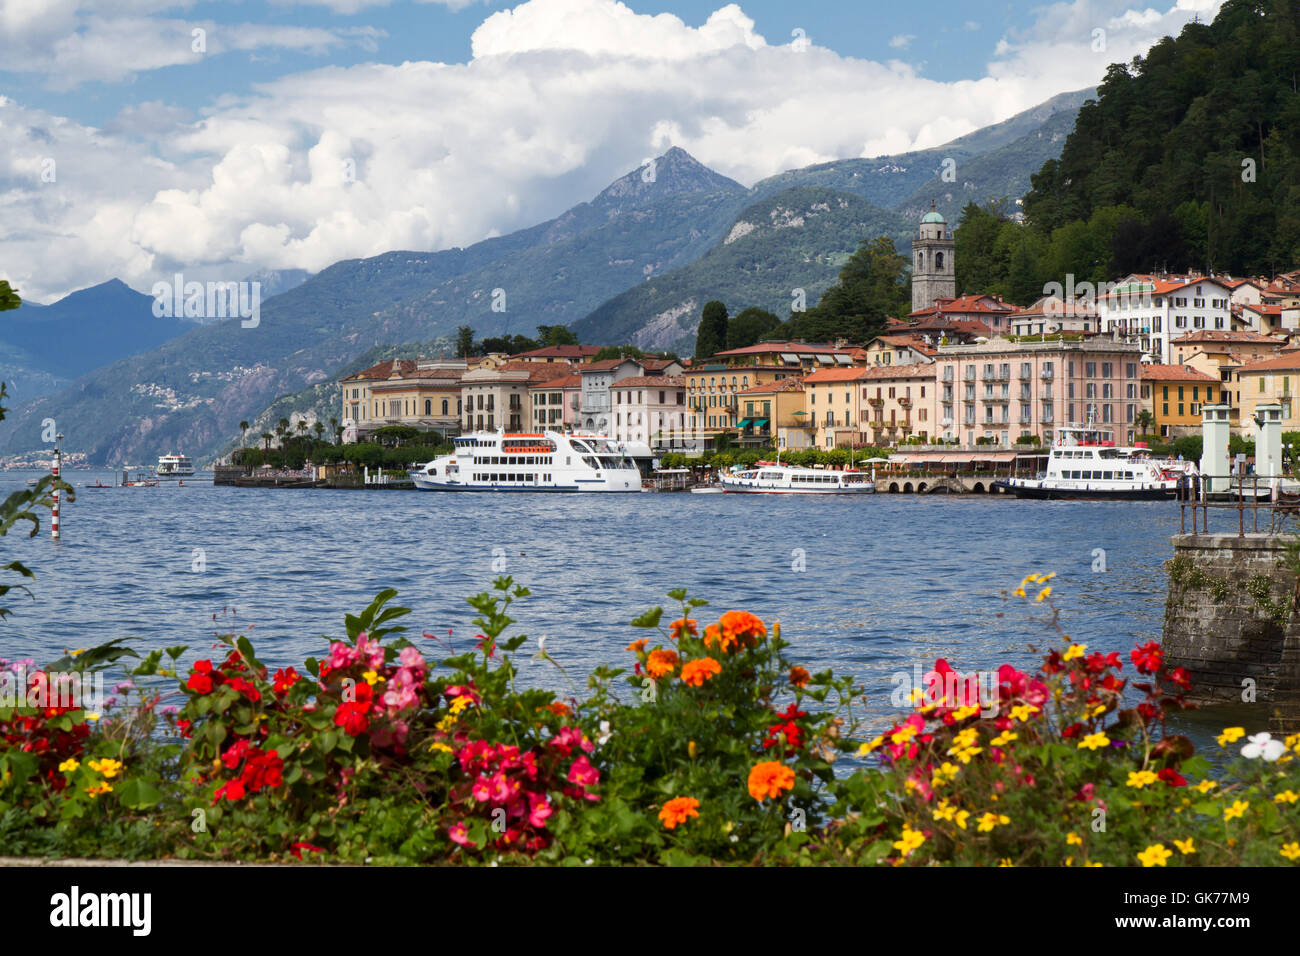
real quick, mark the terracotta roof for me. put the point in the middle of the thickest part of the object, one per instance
(650, 381)
(1174, 373)
(791, 384)
(604, 365)
(1288, 361)
(560, 351)
(943, 324)
(901, 371)
(1053, 308)
(824, 375)
(572, 380)
(1223, 335)
(990, 304)
(382, 370)
(764, 347)
(909, 341)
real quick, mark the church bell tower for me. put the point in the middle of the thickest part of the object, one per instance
(933, 249)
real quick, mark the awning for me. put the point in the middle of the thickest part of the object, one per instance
(744, 422)
(760, 422)
(824, 359)
(790, 357)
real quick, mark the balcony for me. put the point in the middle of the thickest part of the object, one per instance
(904, 403)
(797, 421)
(1046, 375)
(876, 402)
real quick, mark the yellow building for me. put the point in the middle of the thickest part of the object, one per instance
(835, 403)
(422, 393)
(775, 410)
(1270, 381)
(1174, 394)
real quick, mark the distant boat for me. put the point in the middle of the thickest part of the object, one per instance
(530, 461)
(772, 478)
(174, 466)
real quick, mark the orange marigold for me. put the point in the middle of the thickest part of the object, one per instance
(678, 810)
(736, 629)
(683, 626)
(768, 779)
(661, 663)
(799, 676)
(696, 673)
(639, 644)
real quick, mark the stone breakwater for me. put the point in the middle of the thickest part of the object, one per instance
(1231, 621)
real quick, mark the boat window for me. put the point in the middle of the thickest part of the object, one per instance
(1108, 474)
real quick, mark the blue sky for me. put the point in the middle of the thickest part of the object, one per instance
(301, 132)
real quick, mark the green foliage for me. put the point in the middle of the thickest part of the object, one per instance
(8, 297)
(872, 286)
(711, 335)
(750, 326)
(1201, 137)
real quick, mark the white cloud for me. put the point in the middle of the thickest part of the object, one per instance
(560, 97)
(902, 41)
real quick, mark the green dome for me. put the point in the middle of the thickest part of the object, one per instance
(933, 216)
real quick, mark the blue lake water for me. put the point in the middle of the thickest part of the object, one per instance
(891, 581)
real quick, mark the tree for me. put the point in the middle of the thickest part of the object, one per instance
(618, 351)
(319, 429)
(711, 336)
(338, 431)
(872, 286)
(551, 335)
(266, 441)
(243, 433)
(464, 341)
(749, 327)
(8, 297)
(978, 267)
(302, 427)
(1145, 420)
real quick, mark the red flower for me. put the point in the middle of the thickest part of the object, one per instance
(1172, 777)
(1147, 657)
(284, 679)
(201, 678)
(245, 688)
(1180, 677)
(352, 718)
(297, 848)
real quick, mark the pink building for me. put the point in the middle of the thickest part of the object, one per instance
(555, 402)
(1004, 390)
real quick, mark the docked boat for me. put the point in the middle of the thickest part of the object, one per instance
(1086, 463)
(174, 466)
(774, 478)
(540, 461)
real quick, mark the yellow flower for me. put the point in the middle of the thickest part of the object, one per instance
(1069, 861)
(1073, 652)
(98, 789)
(372, 678)
(1004, 738)
(903, 736)
(909, 840)
(1205, 786)
(962, 817)
(1292, 742)
(69, 765)
(439, 745)
(1230, 735)
(79, 650)
(1290, 850)
(1005, 861)
(1073, 839)
(1155, 855)
(944, 811)
(1020, 591)
(460, 703)
(1023, 712)
(1286, 796)
(1091, 864)
(961, 713)
(989, 820)
(1044, 593)
(1185, 846)
(1094, 742)
(1238, 809)
(965, 755)
(91, 715)
(944, 773)
(1140, 778)
(916, 696)
(109, 768)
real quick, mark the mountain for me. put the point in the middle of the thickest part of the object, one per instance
(797, 239)
(275, 281)
(43, 346)
(191, 392)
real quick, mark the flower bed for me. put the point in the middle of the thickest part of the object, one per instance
(710, 746)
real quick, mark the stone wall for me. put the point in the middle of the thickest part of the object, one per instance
(1229, 616)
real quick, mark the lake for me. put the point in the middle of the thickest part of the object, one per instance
(887, 581)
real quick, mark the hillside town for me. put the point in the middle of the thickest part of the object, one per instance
(1139, 356)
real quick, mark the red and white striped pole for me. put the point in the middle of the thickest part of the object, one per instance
(58, 462)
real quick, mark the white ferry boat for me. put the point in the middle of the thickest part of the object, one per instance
(174, 466)
(1086, 463)
(540, 461)
(773, 478)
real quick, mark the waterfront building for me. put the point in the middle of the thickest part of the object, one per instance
(501, 397)
(999, 391)
(1052, 315)
(649, 409)
(595, 411)
(899, 403)
(802, 356)
(555, 403)
(1270, 381)
(775, 413)
(421, 393)
(570, 354)
(894, 349)
(835, 403)
(933, 262)
(1174, 395)
(962, 318)
(713, 392)
(1153, 310)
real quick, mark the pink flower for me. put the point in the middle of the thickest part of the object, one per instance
(342, 655)
(481, 791)
(583, 773)
(411, 658)
(539, 809)
(570, 738)
(459, 833)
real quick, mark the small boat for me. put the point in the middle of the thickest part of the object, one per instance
(708, 490)
(97, 484)
(773, 478)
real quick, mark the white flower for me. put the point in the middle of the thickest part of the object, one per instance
(605, 733)
(1263, 745)
(541, 644)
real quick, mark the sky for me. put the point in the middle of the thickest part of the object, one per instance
(140, 138)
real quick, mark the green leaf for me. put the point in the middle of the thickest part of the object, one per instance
(649, 619)
(137, 794)
(328, 740)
